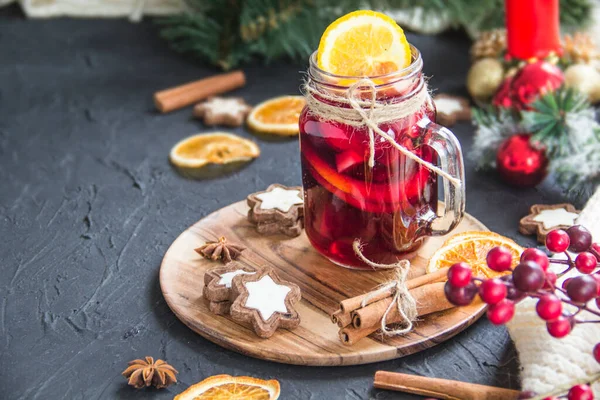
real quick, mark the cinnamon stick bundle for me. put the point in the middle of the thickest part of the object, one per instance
(358, 321)
(429, 298)
(181, 96)
(354, 303)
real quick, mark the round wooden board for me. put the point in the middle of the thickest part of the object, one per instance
(323, 284)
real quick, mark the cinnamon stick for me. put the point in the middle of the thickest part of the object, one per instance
(429, 298)
(181, 96)
(441, 388)
(355, 303)
(341, 319)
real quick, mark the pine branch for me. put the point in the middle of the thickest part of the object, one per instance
(579, 173)
(492, 128)
(228, 32)
(562, 120)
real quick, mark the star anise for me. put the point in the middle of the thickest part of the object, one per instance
(221, 250)
(143, 373)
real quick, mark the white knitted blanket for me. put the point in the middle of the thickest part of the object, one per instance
(548, 362)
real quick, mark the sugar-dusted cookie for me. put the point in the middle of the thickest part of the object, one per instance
(273, 228)
(220, 250)
(545, 218)
(279, 209)
(228, 111)
(218, 280)
(277, 203)
(265, 301)
(451, 109)
(219, 307)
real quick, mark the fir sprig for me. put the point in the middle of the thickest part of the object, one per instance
(228, 33)
(552, 117)
(493, 126)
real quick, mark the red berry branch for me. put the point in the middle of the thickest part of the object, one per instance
(532, 278)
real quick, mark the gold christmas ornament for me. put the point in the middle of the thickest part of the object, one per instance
(489, 44)
(586, 79)
(484, 78)
(580, 48)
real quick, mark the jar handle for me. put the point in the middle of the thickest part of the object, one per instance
(447, 147)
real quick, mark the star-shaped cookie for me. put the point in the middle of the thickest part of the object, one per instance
(451, 109)
(218, 280)
(545, 218)
(265, 301)
(228, 111)
(279, 209)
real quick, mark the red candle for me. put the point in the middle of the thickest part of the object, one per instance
(532, 28)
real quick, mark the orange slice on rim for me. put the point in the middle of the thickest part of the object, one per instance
(226, 387)
(278, 116)
(212, 148)
(363, 43)
(472, 248)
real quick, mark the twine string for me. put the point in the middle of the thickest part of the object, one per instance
(402, 299)
(371, 114)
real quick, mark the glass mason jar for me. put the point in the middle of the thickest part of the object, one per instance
(392, 206)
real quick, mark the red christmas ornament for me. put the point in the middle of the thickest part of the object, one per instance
(532, 81)
(502, 98)
(521, 164)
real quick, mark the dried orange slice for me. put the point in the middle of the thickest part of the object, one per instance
(472, 234)
(363, 43)
(226, 387)
(279, 116)
(473, 250)
(212, 148)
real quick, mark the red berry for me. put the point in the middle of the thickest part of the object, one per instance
(459, 275)
(537, 256)
(580, 238)
(586, 262)
(557, 241)
(560, 327)
(549, 307)
(499, 259)
(492, 291)
(526, 394)
(514, 294)
(597, 352)
(528, 277)
(550, 280)
(597, 278)
(596, 250)
(502, 312)
(460, 296)
(582, 289)
(566, 283)
(581, 392)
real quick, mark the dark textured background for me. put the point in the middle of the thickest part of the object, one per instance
(89, 205)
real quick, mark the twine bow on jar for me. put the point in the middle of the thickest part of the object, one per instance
(350, 109)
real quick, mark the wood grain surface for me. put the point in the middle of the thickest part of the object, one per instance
(323, 284)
